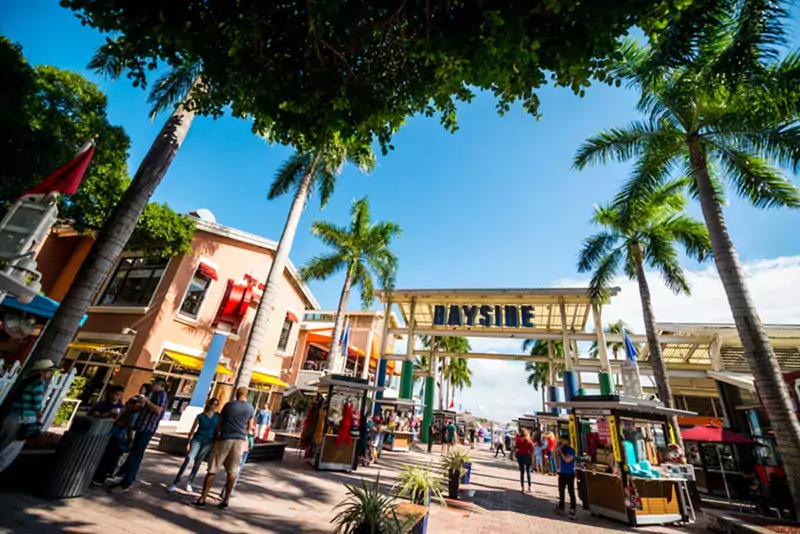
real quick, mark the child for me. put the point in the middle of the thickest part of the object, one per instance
(111, 406)
(538, 458)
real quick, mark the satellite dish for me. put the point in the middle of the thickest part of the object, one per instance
(204, 215)
(19, 326)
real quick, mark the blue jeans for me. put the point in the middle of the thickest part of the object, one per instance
(198, 450)
(524, 461)
(553, 462)
(136, 456)
(108, 463)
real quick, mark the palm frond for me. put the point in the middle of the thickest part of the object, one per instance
(323, 267)
(660, 253)
(289, 174)
(604, 274)
(691, 234)
(615, 144)
(325, 182)
(332, 235)
(755, 179)
(173, 87)
(108, 60)
(595, 248)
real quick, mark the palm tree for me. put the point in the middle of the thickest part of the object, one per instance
(618, 328)
(645, 233)
(722, 107)
(305, 171)
(174, 87)
(459, 376)
(539, 372)
(456, 344)
(360, 250)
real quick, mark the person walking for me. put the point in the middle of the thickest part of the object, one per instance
(451, 435)
(498, 443)
(248, 446)
(507, 444)
(566, 476)
(263, 420)
(145, 426)
(235, 423)
(199, 443)
(24, 418)
(551, 453)
(524, 448)
(120, 438)
(472, 437)
(538, 459)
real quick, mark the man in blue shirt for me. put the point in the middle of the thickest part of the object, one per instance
(145, 427)
(566, 476)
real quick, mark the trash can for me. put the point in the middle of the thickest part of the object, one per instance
(77, 457)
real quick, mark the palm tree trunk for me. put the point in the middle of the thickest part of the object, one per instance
(334, 366)
(656, 357)
(113, 236)
(258, 331)
(757, 347)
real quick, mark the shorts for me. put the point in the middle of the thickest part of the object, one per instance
(227, 453)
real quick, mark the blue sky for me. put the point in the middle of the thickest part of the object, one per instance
(496, 204)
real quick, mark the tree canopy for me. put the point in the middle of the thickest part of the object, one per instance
(307, 71)
(52, 113)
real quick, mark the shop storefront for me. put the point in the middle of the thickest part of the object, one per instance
(181, 372)
(97, 362)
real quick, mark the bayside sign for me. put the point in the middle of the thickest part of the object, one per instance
(484, 316)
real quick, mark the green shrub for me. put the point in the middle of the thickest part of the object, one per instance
(65, 410)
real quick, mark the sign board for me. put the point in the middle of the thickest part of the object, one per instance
(612, 427)
(508, 316)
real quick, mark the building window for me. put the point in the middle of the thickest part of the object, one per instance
(195, 295)
(283, 341)
(316, 359)
(134, 282)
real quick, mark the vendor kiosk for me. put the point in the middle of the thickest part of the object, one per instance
(556, 423)
(440, 419)
(624, 462)
(341, 411)
(399, 435)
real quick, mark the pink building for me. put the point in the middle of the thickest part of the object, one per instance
(157, 317)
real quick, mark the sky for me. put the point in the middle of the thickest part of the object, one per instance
(496, 204)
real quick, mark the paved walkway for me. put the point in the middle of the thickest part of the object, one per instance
(291, 497)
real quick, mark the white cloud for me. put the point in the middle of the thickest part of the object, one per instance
(500, 390)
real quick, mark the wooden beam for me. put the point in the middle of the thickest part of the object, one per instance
(602, 348)
(565, 335)
(534, 333)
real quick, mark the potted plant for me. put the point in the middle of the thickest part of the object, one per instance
(420, 485)
(366, 511)
(453, 465)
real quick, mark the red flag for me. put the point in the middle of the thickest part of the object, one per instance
(452, 403)
(66, 179)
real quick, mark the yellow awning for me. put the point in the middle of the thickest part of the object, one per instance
(263, 378)
(95, 346)
(195, 363)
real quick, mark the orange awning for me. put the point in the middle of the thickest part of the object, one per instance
(324, 336)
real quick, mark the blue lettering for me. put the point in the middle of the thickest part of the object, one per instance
(486, 316)
(469, 314)
(527, 316)
(438, 315)
(454, 319)
(512, 319)
(498, 316)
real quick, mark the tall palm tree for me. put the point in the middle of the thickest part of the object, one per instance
(359, 250)
(634, 236)
(305, 171)
(721, 108)
(459, 376)
(616, 347)
(171, 91)
(539, 372)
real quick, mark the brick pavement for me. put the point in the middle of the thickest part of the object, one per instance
(291, 497)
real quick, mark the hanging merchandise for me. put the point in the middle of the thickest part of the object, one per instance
(345, 425)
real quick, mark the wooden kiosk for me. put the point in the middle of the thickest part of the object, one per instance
(344, 405)
(621, 444)
(399, 437)
(440, 419)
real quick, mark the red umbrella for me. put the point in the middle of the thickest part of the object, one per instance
(714, 434)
